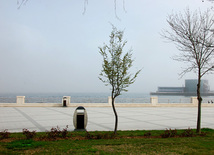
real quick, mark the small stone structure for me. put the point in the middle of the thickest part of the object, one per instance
(154, 102)
(80, 118)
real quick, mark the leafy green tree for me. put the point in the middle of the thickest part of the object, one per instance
(193, 35)
(115, 67)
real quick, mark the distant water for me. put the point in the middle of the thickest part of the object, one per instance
(75, 97)
(95, 98)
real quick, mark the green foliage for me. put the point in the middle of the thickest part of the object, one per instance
(56, 132)
(148, 134)
(169, 133)
(115, 65)
(64, 132)
(5, 134)
(128, 142)
(53, 133)
(29, 134)
(188, 133)
(99, 135)
(24, 144)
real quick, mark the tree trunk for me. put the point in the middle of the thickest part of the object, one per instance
(116, 117)
(199, 104)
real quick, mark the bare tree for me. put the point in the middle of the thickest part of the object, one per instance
(193, 35)
(208, 0)
(116, 67)
(20, 3)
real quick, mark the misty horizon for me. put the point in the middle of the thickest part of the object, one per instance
(51, 47)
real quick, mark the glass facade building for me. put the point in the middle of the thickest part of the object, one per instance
(191, 86)
(171, 89)
(190, 89)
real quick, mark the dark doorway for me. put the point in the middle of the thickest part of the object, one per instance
(64, 103)
(80, 121)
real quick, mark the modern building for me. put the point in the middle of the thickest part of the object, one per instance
(191, 86)
(171, 89)
(189, 89)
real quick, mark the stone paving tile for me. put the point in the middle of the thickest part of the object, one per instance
(102, 118)
(16, 125)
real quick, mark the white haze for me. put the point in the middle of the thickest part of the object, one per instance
(50, 46)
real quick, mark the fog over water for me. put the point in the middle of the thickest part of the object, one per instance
(51, 47)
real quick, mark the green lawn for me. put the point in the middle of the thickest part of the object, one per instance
(126, 142)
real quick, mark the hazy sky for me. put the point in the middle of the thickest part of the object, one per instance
(50, 46)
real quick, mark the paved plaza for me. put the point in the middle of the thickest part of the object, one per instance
(102, 118)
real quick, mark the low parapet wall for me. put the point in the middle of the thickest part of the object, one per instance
(20, 102)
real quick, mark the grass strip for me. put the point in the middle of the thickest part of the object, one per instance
(126, 142)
